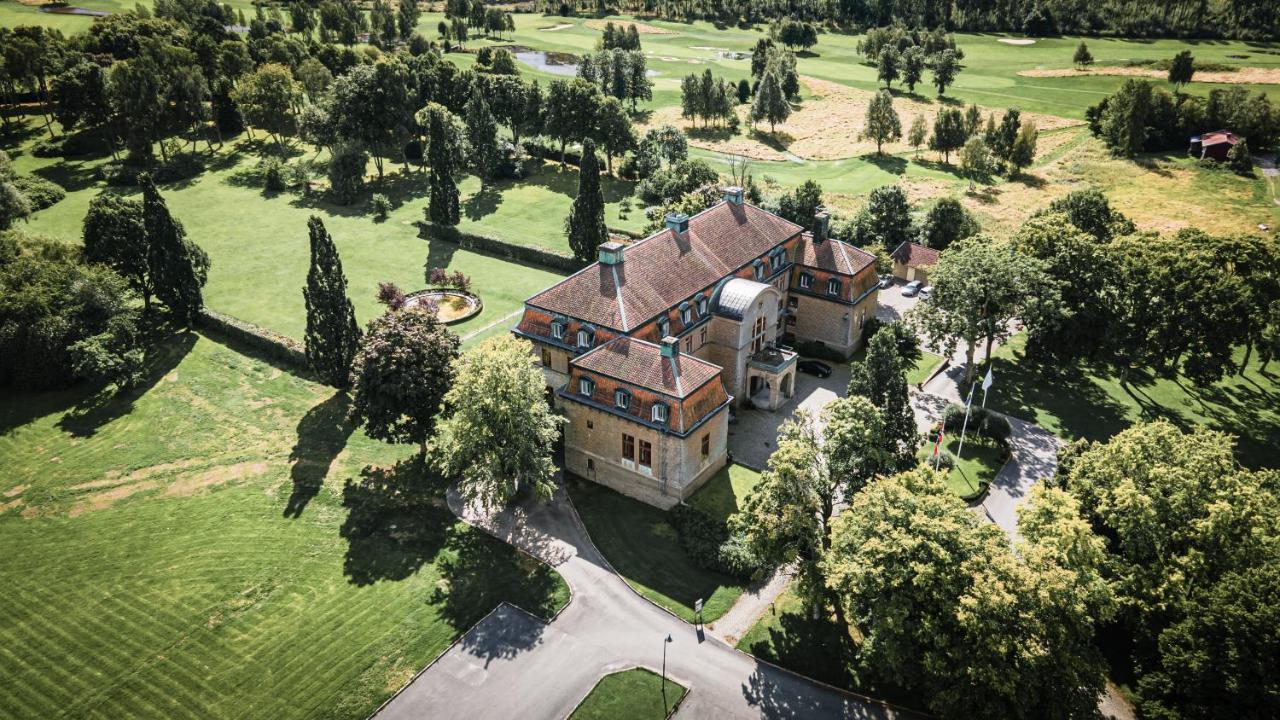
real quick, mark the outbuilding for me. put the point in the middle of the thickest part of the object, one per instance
(1214, 145)
(913, 261)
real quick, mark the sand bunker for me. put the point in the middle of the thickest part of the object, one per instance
(1245, 75)
(1016, 41)
(555, 28)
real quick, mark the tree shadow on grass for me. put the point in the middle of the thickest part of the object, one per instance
(1031, 390)
(322, 435)
(483, 202)
(107, 403)
(775, 140)
(1034, 182)
(888, 163)
(71, 175)
(394, 524)
(478, 572)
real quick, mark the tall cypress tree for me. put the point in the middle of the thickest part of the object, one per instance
(178, 267)
(882, 379)
(332, 334)
(585, 224)
(442, 150)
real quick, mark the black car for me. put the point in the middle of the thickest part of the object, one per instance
(815, 368)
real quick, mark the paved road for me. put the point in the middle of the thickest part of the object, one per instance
(514, 665)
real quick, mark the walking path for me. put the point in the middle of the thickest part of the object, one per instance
(514, 665)
(750, 606)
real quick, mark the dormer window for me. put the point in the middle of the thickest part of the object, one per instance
(664, 327)
(622, 399)
(686, 313)
(806, 281)
(758, 266)
(557, 329)
(586, 337)
(659, 413)
(586, 386)
(702, 306)
(833, 287)
(778, 256)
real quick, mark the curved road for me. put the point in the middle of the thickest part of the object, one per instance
(512, 664)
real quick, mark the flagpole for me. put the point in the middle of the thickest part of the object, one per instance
(968, 404)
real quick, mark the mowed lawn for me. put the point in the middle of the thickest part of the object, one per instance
(635, 694)
(642, 544)
(259, 252)
(219, 544)
(1079, 400)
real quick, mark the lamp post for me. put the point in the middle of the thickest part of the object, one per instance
(665, 642)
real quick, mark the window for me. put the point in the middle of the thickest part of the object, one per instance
(688, 344)
(659, 413)
(584, 338)
(586, 386)
(793, 303)
(702, 305)
(806, 281)
(758, 266)
(664, 327)
(833, 287)
(591, 464)
(546, 357)
(590, 425)
(557, 330)
(686, 315)
(646, 454)
(706, 445)
(778, 257)
(628, 447)
(622, 399)
(702, 337)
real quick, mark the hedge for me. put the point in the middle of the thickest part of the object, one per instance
(39, 192)
(501, 248)
(270, 343)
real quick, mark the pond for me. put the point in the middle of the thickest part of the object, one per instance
(451, 306)
(556, 63)
(60, 9)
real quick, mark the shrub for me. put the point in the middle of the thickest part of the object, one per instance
(391, 295)
(982, 421)
(346, 171)
(668, 184)
(710, 545)
(381, 206)
(438, 277)
(40, 193)
(273, 171)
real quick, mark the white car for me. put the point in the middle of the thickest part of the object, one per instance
(912, 288)
(925, 291)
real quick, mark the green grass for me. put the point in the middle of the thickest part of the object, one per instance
(243, 554)
(635, 694)
(822, 648)
(1080, 400)
(642, 545)
(257, 241)
(927, 364)
(979, 465)
(726, 491)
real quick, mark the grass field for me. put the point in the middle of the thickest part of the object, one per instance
(979, 465)
(219, 544)
(726, 491)
(635, 694)
(1079, 400)
(642, 545)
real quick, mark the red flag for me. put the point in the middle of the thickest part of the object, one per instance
(938, 445)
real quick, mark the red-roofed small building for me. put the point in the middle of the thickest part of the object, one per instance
(1214, 145)
(648, 348)
(913, 261)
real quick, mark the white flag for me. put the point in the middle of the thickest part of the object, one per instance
(986, 382)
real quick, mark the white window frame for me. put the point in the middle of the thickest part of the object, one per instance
(584, 338)
(622, 399)
(659, 413)
(834, 286)
(557, 330)
(586, 386)
(806, 281)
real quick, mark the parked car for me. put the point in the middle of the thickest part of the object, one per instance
(924, 292)
(885, 281)
(912, 288)
(814, 368)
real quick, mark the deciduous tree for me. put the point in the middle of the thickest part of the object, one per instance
(499, 433)
(882, 124)
(116, 236)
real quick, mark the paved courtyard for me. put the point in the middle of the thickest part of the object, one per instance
(753, 437)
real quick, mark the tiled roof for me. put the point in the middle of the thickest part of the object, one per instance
(832, 256)
(664, 269)
(1219, 136)
(915, 255)
(641, 364)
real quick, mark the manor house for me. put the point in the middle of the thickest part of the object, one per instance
(649, 349)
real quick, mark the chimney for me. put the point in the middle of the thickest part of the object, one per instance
(670, 347)
(611, 253)
(733, 195)
(677, 223)
(821, 226)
